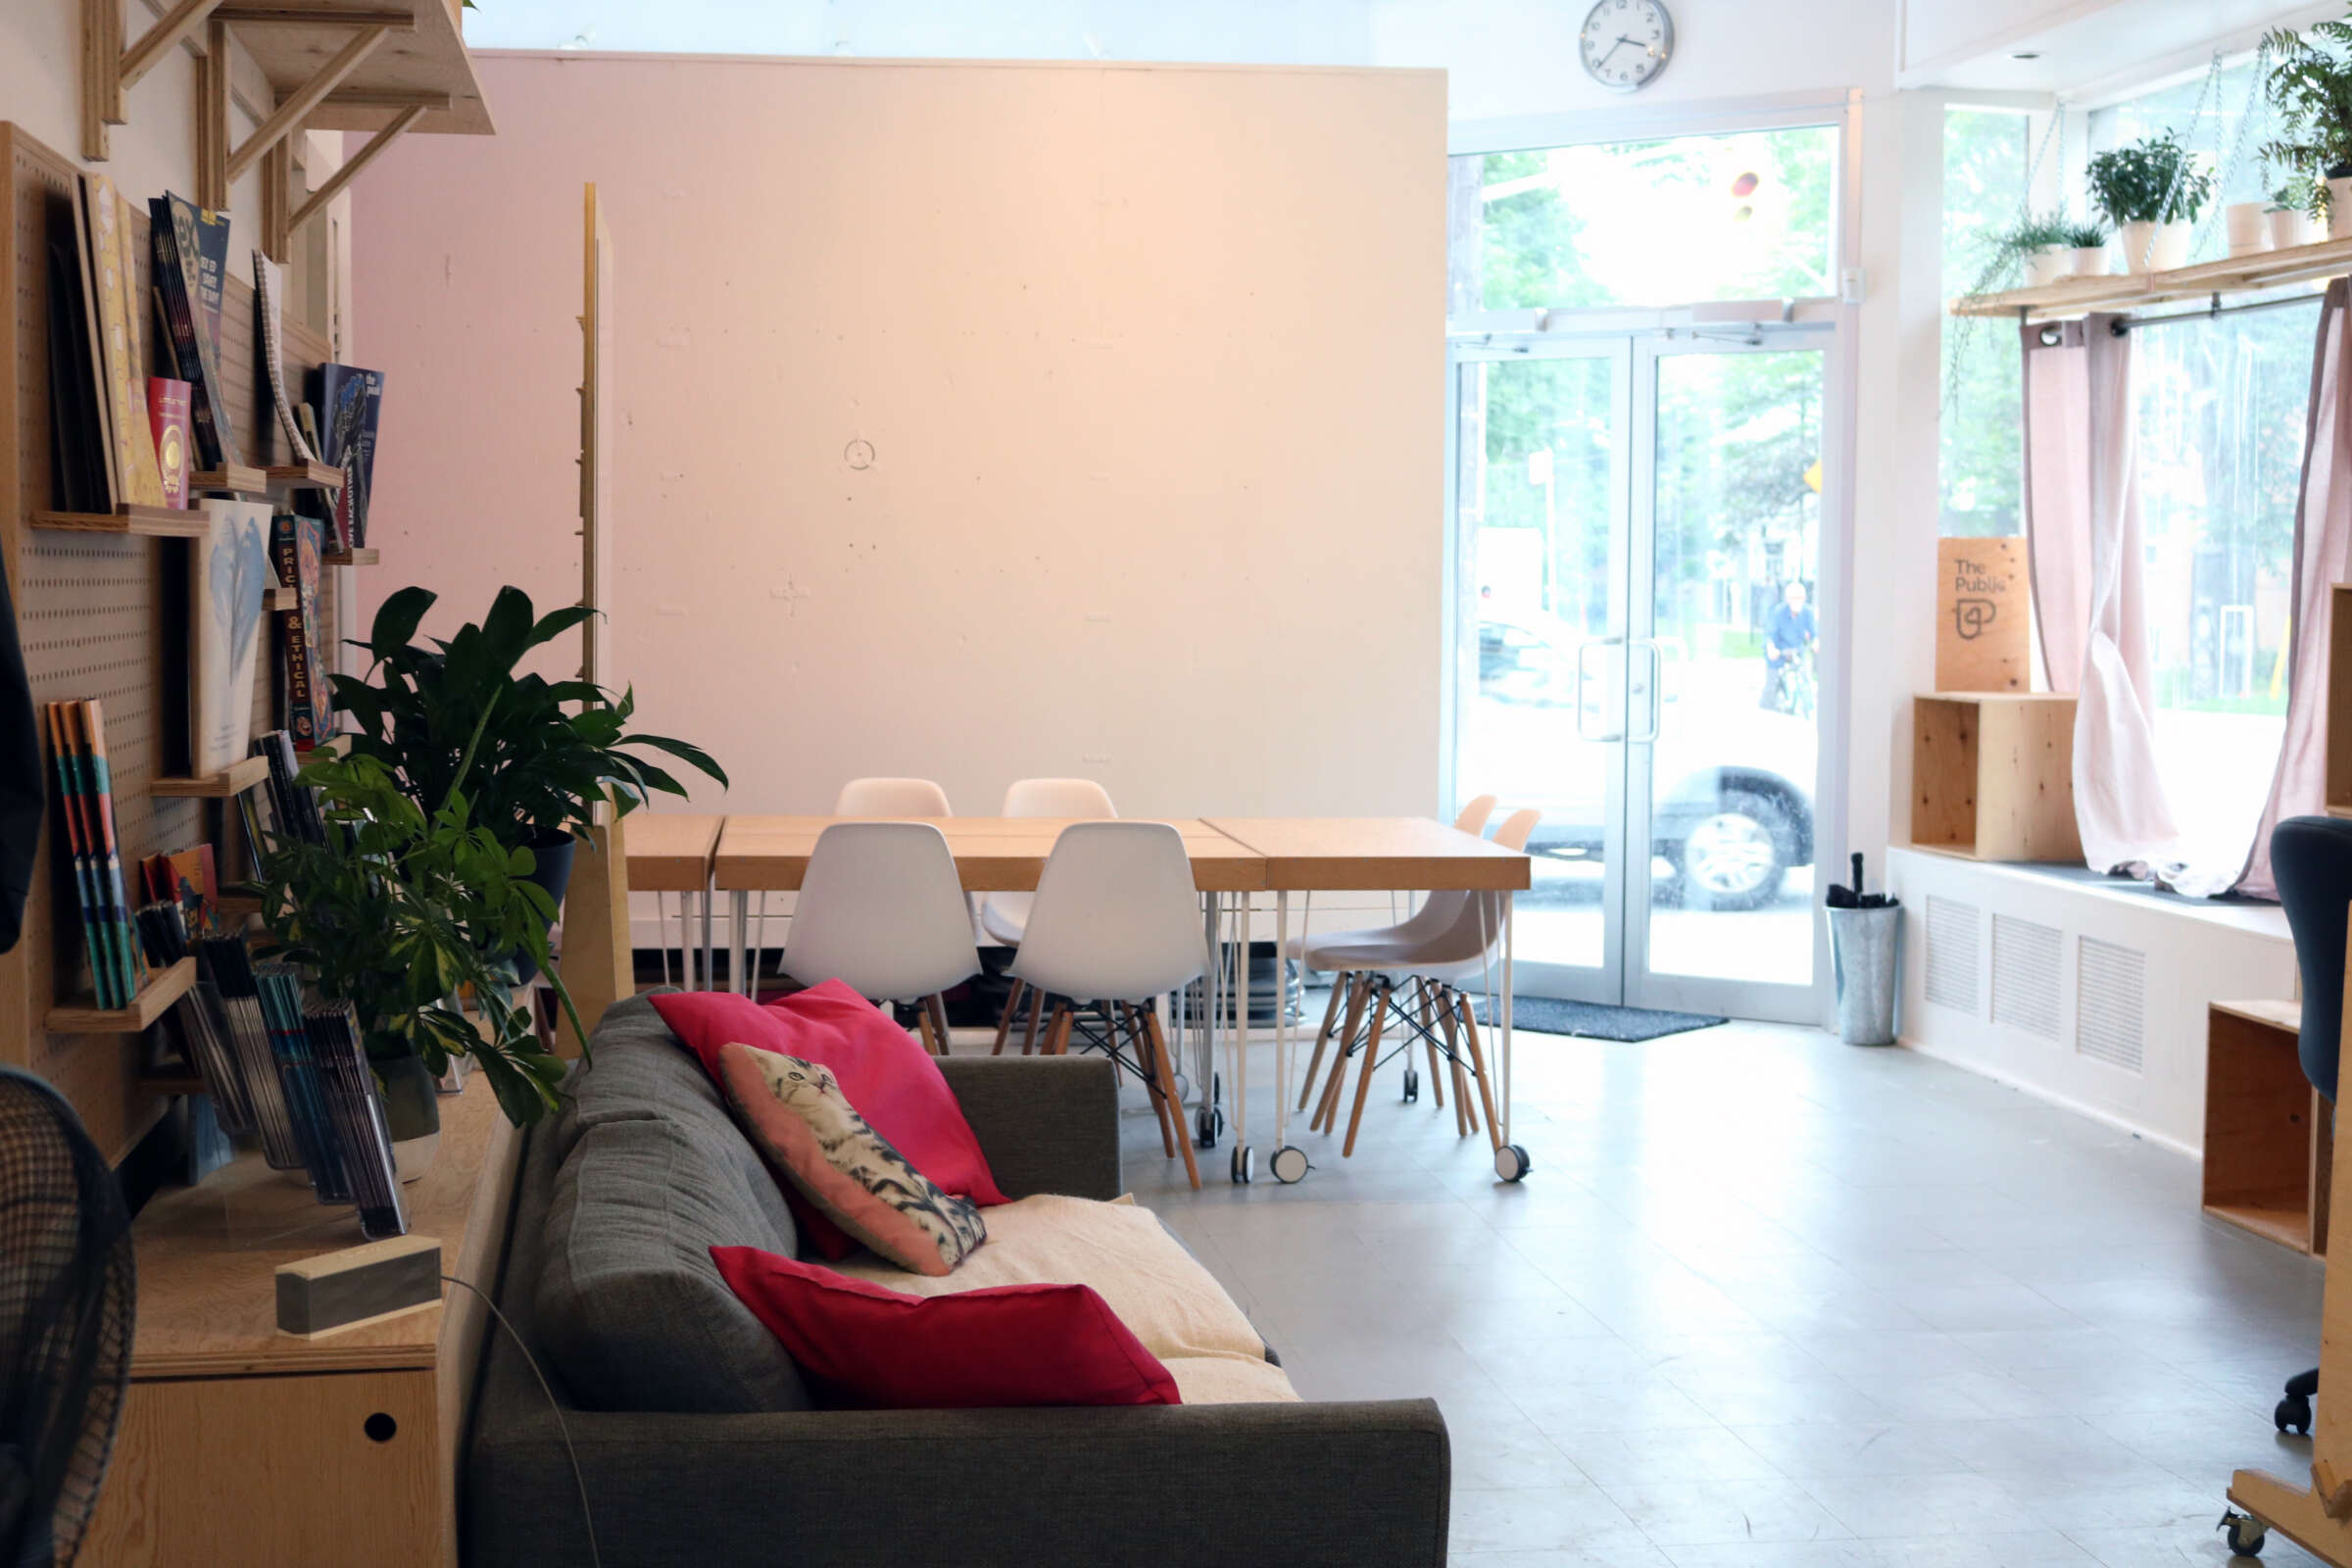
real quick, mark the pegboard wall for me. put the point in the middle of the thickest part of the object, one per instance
(91, 618)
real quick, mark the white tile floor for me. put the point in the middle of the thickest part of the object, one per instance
(1771, 1302)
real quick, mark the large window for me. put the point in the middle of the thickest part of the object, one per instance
(1747, 216)
(1988, 157)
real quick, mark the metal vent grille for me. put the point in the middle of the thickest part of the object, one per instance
(2110, 1004)
(1952, 948)
(2025, 974)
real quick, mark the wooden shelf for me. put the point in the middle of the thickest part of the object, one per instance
(164, 987)
(426, 67)
(367, 557)
(1992, 775)
(236, 479)
(158, 522)
(304, 477)
(2233, 274)
(2269, 1146)
(235, 779)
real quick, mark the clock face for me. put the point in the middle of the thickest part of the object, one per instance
(1626, 43)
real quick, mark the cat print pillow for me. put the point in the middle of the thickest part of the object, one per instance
(795, 1111)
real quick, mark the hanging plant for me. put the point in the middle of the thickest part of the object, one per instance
(2153, 181)
(2312, 86)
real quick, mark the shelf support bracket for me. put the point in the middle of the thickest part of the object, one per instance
(352, 165)
(212, 120)
(157, 41)
(109, 70)
(292, 111)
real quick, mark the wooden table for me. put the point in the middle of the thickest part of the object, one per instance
(675, 851)
(992, 853)
(241, 1444)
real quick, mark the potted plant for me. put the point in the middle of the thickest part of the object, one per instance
(2086, 247)
(2151, 191)
(2311, 83)
(400, 911)
(2289, 216)
(2043, 244)
(541, 769)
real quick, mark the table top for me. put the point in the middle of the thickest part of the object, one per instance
(992, 853)
(669, 851)
(1374, 853)
(208, 1257)
(1229, 855)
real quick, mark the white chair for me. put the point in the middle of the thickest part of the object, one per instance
(1435, 914)
(1448, 942)
(1117, 924)
(1003, 915)
(881, 910)
(892, 797)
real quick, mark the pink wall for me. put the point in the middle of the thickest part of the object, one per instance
(1151, 361)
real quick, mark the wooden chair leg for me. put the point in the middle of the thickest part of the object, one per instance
(1428, 1037)
(1167, 1087)
(1057, 1034)
(1037, 1012)
(1465, 1115)
(1477, 1070)
(937, 1005)
(1342, 983)
(1363, 1080)
(1141, 1043)
(1327, 1111)
(923, 1027)
(1012, 1007)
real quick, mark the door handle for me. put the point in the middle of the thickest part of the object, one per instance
(1582, 653)
(1655, 683)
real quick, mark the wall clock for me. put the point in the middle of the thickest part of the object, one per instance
(1626, 43)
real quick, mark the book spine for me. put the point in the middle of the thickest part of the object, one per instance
(180, 316)
(203, 312)
(133, 970)
(85, 889)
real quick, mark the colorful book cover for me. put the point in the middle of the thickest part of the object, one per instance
(167, 417)
(95, 938)
(192, 305)
(130, 958)
(295, 549)
(93, 353)
(361, 463)
(269, 314)
(188, 878)
(125, 374)
(349, 401)
(230, 572)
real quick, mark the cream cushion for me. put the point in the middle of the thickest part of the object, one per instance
(1166, 1299)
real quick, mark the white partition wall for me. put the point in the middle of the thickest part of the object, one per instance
(973, 421)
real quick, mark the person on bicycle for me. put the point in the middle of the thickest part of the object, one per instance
(1790, 633)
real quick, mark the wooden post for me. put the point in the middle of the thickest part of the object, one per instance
(212, 119)
(599, 963)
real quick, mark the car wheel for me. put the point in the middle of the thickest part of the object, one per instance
(1737, 857)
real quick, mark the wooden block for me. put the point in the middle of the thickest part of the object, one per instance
(2259, 1141)
(2025, 780)
(1981, 616)
(235, 779)
(1944, 775)
(164, 987)
(358, 1285)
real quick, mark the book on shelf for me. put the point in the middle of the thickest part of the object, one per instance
(77, 732)
(196, 1024)
(226, 966)
(356, 1111)
(269, 314)
(189, 881)
(347, 402)
(90, 347)
(293, 805)
(80, 477)
(304, 711)
(120, 309)
(189, 245)
(229, 572)
(168, 419)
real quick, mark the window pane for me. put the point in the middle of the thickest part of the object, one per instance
(2220, 403)
(1653, 223)
(1986, 155)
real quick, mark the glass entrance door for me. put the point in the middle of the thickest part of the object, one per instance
(1638, 526)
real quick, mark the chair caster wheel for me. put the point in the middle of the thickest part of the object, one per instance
(2245, 1534)
(1245, 1166)
(1413, 1086)
(1511, 1162)
(2293, 1414)
(1208, 1125)
(1288, 1163)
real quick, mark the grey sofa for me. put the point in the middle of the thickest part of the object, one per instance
(694, 1435)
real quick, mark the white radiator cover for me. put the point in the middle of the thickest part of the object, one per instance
(2089, 996)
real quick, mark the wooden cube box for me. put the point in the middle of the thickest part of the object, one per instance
(2268, 1138)
(1992, 775)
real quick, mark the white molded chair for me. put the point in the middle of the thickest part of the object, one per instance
(1449, 941)
(882, 910)
(1005, 916)
(892, 797)
(1117, 924)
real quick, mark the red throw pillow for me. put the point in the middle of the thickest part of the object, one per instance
(891, 1079)
(997, 1347)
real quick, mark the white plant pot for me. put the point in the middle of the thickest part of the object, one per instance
(2288, 228)
(2048, 266)
(2340, 208)
(2173, 241)
(2133, 240)
(2090, 260)
(2244, 228)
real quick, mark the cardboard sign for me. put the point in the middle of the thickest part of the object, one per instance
(1982, 616)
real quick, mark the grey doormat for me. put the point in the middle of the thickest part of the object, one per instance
(1550, 1015)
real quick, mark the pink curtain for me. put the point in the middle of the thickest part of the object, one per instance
(2323, 559)
(2088, 560)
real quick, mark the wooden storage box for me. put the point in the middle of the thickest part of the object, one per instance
(2269, 1142)
(1992, 775)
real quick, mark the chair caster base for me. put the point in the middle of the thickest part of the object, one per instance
(1413, 1086)
(1289, 1163)
(1245, 1166)
(1511, 1162)
(2245, 1534)
(2293, 1414)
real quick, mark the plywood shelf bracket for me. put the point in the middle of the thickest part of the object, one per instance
(292, 110)
(110, 70)
(352, 165)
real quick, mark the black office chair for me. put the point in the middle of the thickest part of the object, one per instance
(2311, 857)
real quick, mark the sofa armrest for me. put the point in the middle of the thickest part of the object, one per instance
(1282, 1486)
(1048, 1124)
